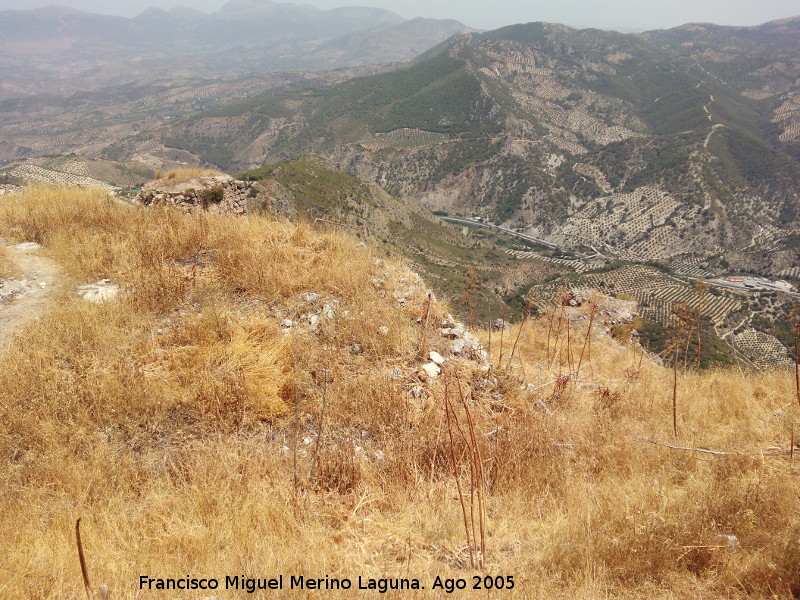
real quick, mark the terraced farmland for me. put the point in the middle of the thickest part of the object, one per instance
(578, 266)
(793, 272)
(634, 220)
(788, 116)
(404, 138)
(762, 349)
(36, 174)
(693, 266)
(657, 293)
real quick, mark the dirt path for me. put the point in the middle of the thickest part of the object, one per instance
(23, 298)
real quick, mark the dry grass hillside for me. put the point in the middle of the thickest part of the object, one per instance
(198, 433)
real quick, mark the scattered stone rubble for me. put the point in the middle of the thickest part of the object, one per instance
(99, 292)
(313, 311)
(459, 344)
(609, 311)
(462, 342)
(213, 193)
(7, 189)
(11, 288)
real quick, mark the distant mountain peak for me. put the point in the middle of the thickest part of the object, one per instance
(57, 9)
(152, 12)
(186, 12)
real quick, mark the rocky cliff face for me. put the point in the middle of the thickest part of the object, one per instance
(214, 193)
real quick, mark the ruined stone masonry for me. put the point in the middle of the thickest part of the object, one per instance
(215, 193)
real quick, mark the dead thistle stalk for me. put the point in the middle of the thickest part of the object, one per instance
(448, 408)
(587, 341)
(84, 571)
(526, 315)
(472, 452)
(321, 422)
(793, 316)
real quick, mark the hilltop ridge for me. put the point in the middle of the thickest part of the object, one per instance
(260, 387)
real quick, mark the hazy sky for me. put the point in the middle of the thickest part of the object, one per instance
(489, 14)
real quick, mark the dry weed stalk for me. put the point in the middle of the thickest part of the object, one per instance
(758, 453)
(296, 430)
(475, 534)
(489, 329)
(469, 297)
(550, 317)
(700, 290)
(423, 338)
(793, 316)
(84, 570)
(562, 300)
(527, 308)
(587, 341)
(314, 459)
(683, 325)
(500, 358)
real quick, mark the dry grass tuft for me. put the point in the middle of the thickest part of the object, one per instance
(165, 419)
(7, 267)
(177, 175)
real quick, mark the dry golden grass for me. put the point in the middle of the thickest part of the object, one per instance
(190, 173)
(7, 266)
(165, 419)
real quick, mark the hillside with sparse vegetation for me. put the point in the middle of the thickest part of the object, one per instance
(267, 397)
(658, 146)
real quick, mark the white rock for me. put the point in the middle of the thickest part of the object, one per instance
(287, 323)
(431, 369)
(731, 541)
(28, 246)
(457, 346)
(472, 340)
(99, 292)
(329, 309)
(310, 297)
(455, 331)
(10, 288)
(383, 330)
(436, 357)
(448, 322)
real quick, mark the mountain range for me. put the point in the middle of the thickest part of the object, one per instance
(62, 50)
(627, 162)
(655, 145)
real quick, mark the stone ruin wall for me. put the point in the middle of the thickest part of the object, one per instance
(217, 194)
